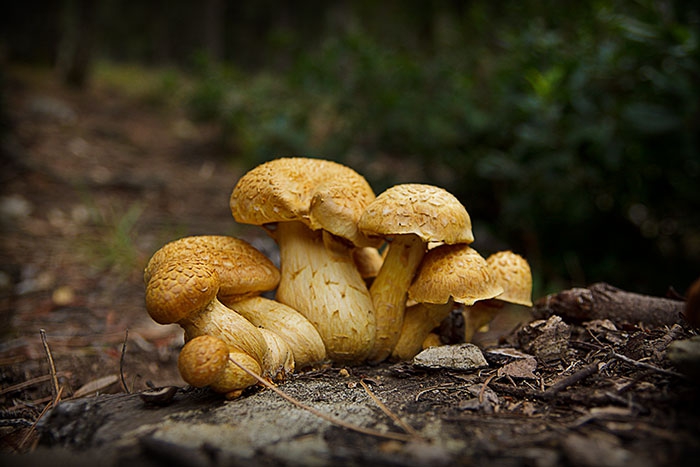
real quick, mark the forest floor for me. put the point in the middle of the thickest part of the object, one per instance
(94, 182)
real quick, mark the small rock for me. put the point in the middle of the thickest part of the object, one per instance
(452, 357)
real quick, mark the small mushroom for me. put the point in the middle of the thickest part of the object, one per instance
(311, 208)
(408, 216)
(448, 274)
(184, 292)
(510, 271)
(206, 361)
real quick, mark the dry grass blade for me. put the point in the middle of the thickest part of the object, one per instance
(407, 428)
(31, 430)
(318, 413)
(52, 366)
(121, 364)
(26, 384)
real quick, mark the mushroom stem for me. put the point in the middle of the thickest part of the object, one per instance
(279, 359)
(320, 280)
(478, 315)
(389, 291)
(297, 331)
(219, 321)
(419, 320)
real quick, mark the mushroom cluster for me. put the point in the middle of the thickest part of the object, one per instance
(362, 278)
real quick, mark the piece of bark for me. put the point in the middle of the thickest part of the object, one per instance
(603, 301)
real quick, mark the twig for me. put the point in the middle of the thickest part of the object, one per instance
(54, 377)
(328, 418)
(647, 366)
(407, 428)
(121, 363)
(574, 378)
(432, 388)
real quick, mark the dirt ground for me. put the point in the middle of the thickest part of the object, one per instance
(93, 183)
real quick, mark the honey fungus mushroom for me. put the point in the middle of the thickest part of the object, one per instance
(184, 292)
(409, 217)
(311, 208)
(447, 274)
(510, 271)
(244, 272)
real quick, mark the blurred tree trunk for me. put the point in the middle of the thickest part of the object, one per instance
(214, 15)
(75, 49)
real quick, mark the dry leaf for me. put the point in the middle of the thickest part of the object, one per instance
(95, 385)
(520, 368)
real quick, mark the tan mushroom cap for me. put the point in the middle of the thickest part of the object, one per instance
(177, 290)
(202, 360)
(456, 271)
(242, 269)
(430, 212)
(512, 272)
(320, 193)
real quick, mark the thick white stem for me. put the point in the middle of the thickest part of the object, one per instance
(389, 291)
(319, 279)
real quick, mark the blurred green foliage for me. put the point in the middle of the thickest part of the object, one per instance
(570, 134)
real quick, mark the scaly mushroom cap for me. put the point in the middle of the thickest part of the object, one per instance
(177, 290)
(456, 271)
(322, 194)
(243, 270)
(512, 272)
(430, 212)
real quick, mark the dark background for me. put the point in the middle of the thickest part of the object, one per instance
(569, 130)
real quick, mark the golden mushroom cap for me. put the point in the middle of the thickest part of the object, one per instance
(176, 290)
(512, 272)
(320, 193)
(430, 212)
(202, 360)
(242, 269)
(456, 271)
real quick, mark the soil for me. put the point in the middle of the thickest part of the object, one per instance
(94, 182)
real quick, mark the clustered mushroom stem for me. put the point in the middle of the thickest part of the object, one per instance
(220, 321)
(389, 291)
(418, 321)
(324, 285)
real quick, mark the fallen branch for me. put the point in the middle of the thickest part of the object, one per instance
(647, 366)
(603, 301)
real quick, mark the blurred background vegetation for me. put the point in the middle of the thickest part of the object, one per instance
(568, 129)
